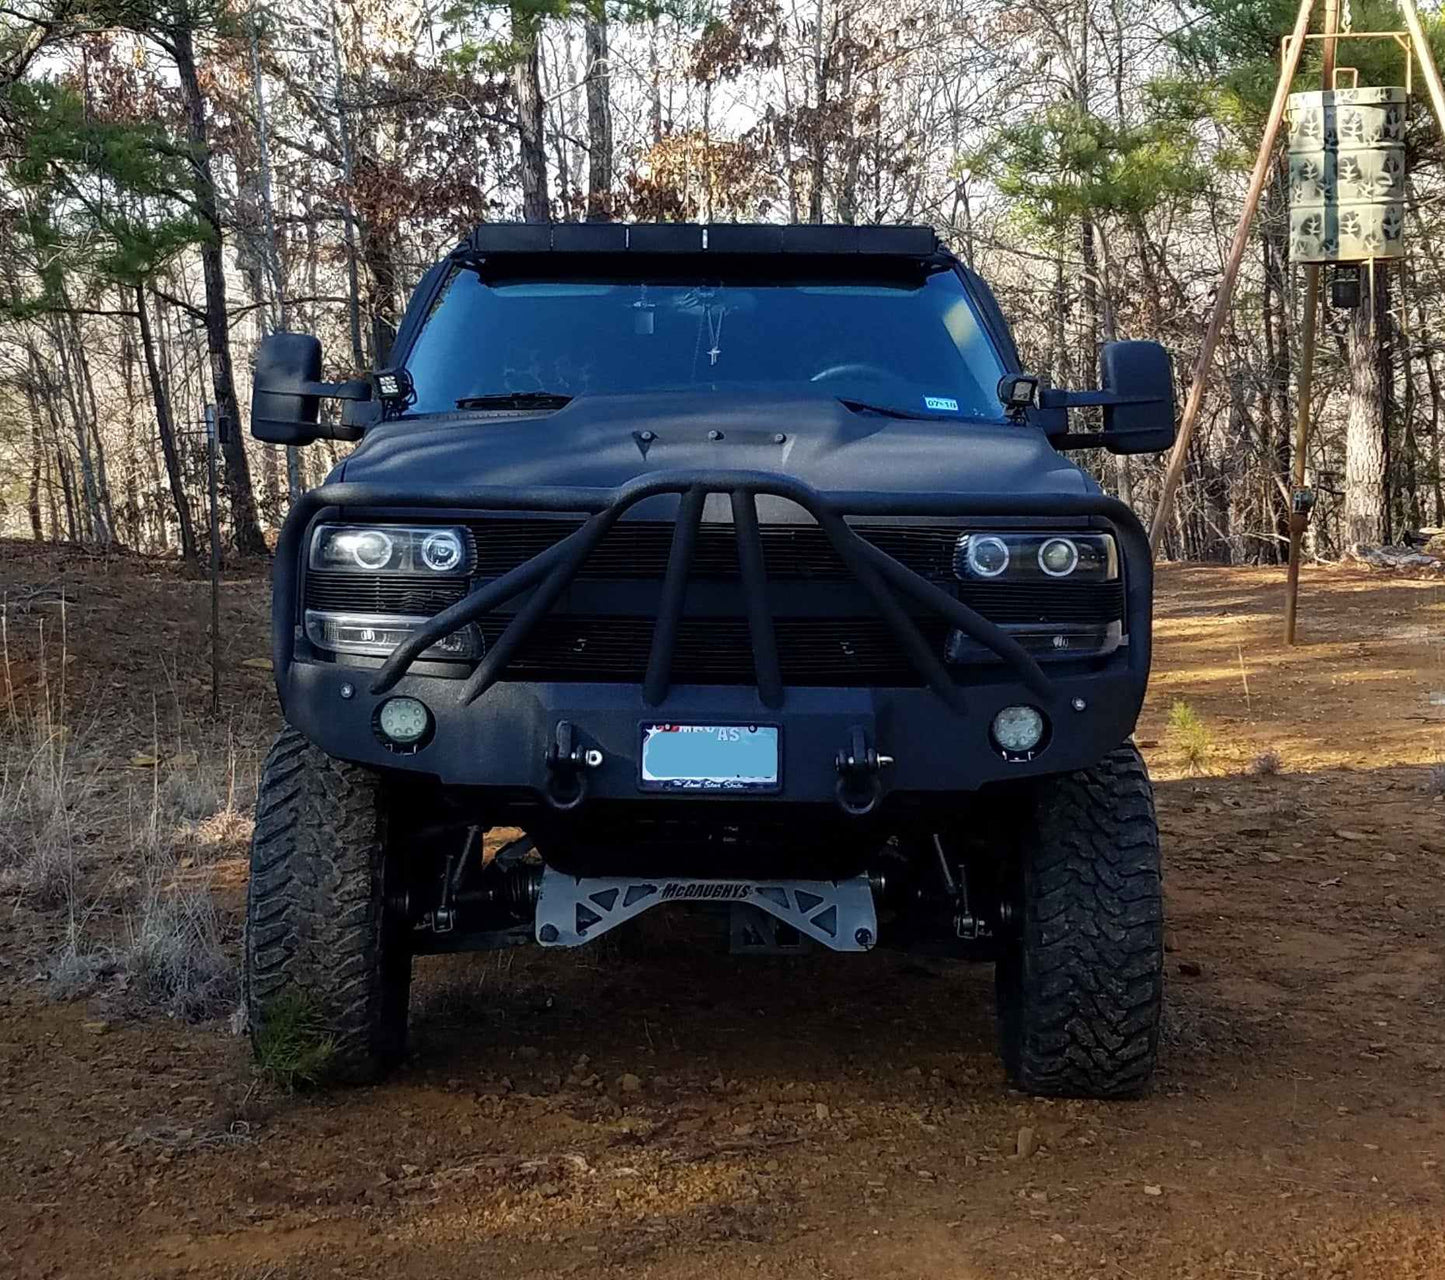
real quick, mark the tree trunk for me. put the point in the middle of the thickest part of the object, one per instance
(1059, 356)
(820, 84)
(102, 469)
(848, 192)
(37, 450)
(166, 428)
(654, 85)
(1089, 347)
(527, 93)
(91, 516)
(245, 528)
(1433, 381)
(1367, 511)
(348, 221)
(1276, 445)
(599, 117)
(67, 486)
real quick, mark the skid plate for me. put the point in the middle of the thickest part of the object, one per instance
(572, 911)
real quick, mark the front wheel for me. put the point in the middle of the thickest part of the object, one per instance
(325, 957)
(1080, 986)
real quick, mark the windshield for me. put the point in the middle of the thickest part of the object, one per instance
(911, 346)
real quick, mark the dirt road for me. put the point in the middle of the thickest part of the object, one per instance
(795, 1120)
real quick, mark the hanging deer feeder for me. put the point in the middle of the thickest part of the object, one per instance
(1347, 174)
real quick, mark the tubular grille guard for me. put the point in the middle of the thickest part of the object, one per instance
(549, 573)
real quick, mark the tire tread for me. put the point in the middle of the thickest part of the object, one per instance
(316, 916)
(1081, 994)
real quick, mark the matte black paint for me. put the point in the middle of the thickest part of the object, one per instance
(795, 448)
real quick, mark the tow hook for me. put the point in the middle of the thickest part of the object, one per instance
(859, 787)
(567, 762)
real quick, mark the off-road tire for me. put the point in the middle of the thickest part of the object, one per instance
(320, 935)
(1080, 988)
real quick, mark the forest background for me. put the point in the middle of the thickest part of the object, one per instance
(178, 179)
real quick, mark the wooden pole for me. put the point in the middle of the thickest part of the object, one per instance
(1427, 61)
(1225, 296)
(1299, 519)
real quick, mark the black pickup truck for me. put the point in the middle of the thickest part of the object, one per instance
(734, 566)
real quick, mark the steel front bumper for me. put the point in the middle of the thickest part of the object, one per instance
(498, 733)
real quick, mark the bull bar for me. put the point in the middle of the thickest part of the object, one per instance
(550, 572)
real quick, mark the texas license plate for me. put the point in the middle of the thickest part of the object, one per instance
(710, 757)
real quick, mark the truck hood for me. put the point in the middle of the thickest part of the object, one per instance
(606, 440)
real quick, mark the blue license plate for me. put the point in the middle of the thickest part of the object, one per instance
(710, 757)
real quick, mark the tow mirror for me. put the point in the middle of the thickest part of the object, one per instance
(1142, 419)
(1137, 397)
(287, 391)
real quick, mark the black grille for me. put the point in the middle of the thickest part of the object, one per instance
(1057, 602)
(382, 593)
(638, 549)
(855, 650)
(811, 651)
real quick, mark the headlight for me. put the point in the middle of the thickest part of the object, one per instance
(985, 555)
(1007, 557)
(442, 551)
(379, 633)
(391, 549)
(1059, 557)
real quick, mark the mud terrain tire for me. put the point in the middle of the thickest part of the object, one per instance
(319, 934)
(1080, 990)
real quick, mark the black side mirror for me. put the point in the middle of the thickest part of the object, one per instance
(1137, 397)
(1142, 418)
(286, 392)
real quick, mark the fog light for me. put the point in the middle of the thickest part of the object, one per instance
(987, 556)
(404, 723)
(1059, 557)
(1018, 730)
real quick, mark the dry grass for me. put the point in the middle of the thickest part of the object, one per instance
(173, 954)
(46, 791)
(123, 846)
(1266, 764)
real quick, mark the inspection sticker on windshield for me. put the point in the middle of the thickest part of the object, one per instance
(943, 404)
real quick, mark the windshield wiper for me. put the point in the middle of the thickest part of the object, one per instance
(884, 410)
(516, 400)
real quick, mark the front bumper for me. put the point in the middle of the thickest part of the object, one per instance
(492, 732)
(503, 740)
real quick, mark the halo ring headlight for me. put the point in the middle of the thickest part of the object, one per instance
(1059, 557)
(988, 556)
(442, 551)
(370, 548)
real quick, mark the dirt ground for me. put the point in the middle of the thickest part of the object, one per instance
(827, 1117)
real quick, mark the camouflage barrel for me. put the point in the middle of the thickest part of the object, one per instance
(1347, 174)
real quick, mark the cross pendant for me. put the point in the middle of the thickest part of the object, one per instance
(713, 353)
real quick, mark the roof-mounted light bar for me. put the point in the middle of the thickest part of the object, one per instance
(685, 237)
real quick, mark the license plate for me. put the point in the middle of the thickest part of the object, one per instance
(710, 757)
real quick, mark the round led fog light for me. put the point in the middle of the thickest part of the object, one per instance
(1059, 557)
(987, 556)
(1018, 730)
(404, 723)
